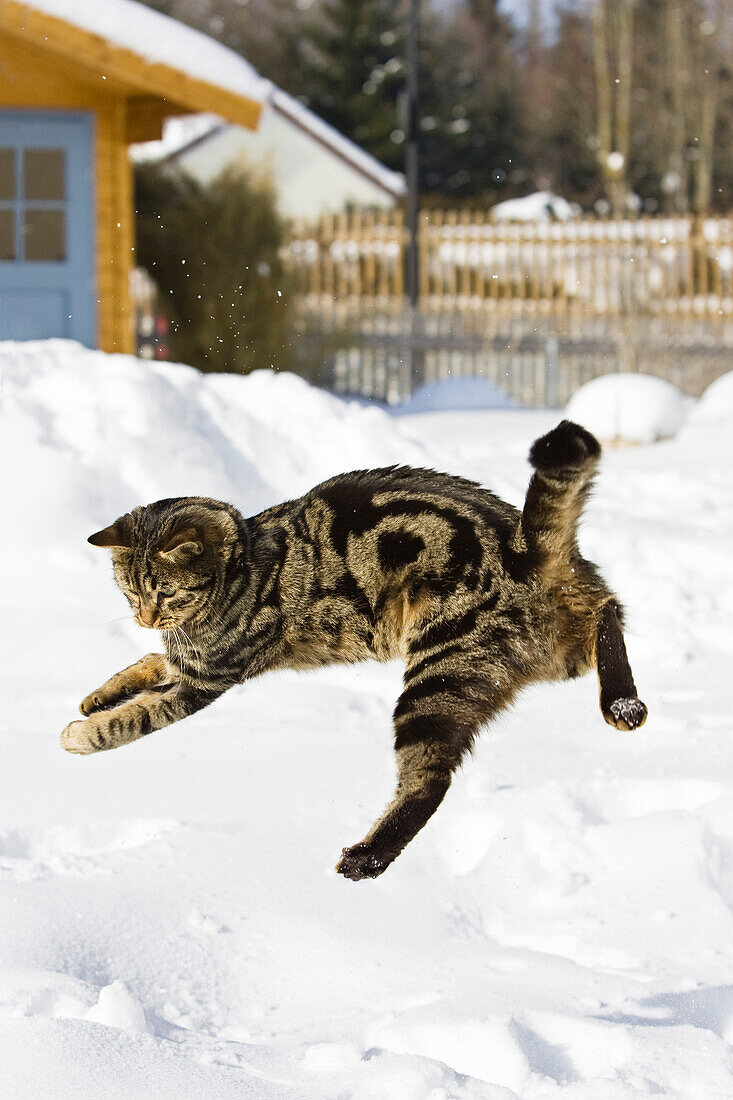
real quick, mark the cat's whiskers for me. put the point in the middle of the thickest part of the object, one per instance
(196, 653)
(121, 626)
(174, 631)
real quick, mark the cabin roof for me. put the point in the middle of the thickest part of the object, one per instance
(145, 51)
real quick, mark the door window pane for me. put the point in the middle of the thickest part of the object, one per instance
(44, 174)
(44, 235)
(7, 173)
(7, 234)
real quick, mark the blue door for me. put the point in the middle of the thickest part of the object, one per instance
(46, 226)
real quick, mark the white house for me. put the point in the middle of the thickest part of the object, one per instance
(315, 169)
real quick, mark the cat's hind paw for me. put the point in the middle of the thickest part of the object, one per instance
(360, 861)
(568, 446)
(78, 737)
(626, 714)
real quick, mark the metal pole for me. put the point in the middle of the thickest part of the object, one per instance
(412, 152)
(412, 175)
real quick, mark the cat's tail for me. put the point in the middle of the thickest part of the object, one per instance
(565, 461)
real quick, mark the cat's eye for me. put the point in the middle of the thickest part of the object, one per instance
(166, 593)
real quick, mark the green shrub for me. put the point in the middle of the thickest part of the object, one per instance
(212, 251)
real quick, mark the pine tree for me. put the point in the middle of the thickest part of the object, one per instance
(469, 140)
(354, 71)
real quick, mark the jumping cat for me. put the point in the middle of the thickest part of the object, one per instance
(477, 598)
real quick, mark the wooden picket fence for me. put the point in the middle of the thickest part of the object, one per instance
(671, 266)
(536, 307)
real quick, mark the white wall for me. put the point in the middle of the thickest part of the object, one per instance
(309, 179)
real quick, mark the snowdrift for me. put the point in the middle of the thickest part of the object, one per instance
(717, 401)
(170, 919)
(629, 408)
(541, 206)
(456, 394)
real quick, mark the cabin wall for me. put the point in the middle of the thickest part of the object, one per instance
(34, 80)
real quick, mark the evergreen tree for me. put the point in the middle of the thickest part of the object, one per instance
(213, 252)
(468, 101)
(354, 71)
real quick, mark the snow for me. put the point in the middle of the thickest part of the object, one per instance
(170, 920)
(629, 408)
(541, 206)
(299, 115)
(160, 39)
(179, 132)
(716, 402)
(451, 394)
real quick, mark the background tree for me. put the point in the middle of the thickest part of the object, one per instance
(213, 253)
(354, 71)
(469, 105)
(510, 109)
(558, 119)
(613, 22)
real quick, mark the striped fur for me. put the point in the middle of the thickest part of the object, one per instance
(476, 598)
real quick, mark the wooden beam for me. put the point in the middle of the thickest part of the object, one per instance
(145, 117)
(177, 91)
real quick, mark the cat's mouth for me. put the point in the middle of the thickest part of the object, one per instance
(156, 624)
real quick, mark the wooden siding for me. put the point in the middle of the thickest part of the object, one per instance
(33, 82)
(114, 231)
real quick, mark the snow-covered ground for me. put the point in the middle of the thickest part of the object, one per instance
(171, 927)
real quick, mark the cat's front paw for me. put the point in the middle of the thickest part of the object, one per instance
(91, 704)
(82, 738)
(360, 861)
(626, 714)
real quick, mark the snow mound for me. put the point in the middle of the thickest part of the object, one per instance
(457, 394)
(629, 408)
(716, 401)
(103, 433)
(118, 1007)
(542, 206)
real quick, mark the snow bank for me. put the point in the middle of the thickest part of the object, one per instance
(170, 920)
(105, 433)
(629, 408)
(541, 206)
(716, 403)
(456, 394)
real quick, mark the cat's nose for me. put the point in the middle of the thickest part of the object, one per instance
(147, 615)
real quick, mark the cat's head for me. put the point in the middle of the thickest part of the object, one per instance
(170, 558)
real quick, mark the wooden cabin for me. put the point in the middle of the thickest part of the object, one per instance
(81, 80)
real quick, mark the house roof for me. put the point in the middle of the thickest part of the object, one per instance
(299, 115)
(184, 134)
(149, 52)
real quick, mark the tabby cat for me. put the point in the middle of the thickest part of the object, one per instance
(477, 598)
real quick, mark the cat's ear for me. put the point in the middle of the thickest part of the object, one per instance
(117, 535)
(183, 544)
